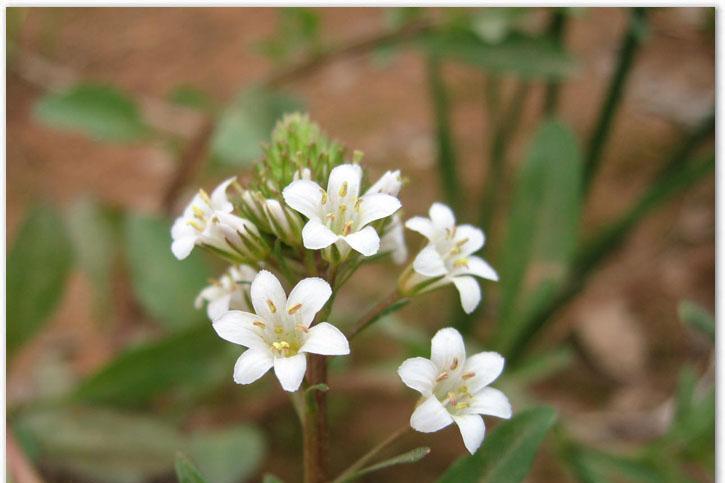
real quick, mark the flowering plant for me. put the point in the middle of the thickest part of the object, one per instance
(309, 218)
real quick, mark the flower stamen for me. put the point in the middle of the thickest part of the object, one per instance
(443, 375)
(272, 307)
(343, 190)
(292, 310)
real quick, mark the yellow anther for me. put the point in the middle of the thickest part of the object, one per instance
(292, 310)
(443, 375)
(462, 405)
(260, 324)
(303, 328)
(460, 243)
(454, 364)
(204, 196)
(330, 217)
(198, 212)
(452, 398)
(280, 346)
(347, 228)
(343, 189)
(461, 263)
(324, 197)
(342, 209)
(278, 330)
(456, 250)
(463, 389)
(358, 202)
(197, 226)
(468, 375)
(272, 307)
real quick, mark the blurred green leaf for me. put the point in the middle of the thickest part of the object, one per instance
(94, 230)
(542, 232)
(247, 123)
(102, 112)
(412, 456)
(298, 32)
(507, 454)
(527, 57)
(186, 472)
(228, 456)
(698, 318)
(141, 373)
(101, 445)
(191, 97)
(540, 366)
(38, 265)
(165, 286)
(594, 466)
(270, 478)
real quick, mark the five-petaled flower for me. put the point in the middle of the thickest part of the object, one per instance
(393, 239)
(208, 220)
(228, 292)
(280, 334)
(447, 258)
(455, 388)
(339, 215)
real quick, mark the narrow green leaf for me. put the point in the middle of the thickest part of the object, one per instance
(228, 456)
(138, 375)
(412, 456)
(698, 318)
(186, 472)
(102, 112)
(542, 232)
(165, 286)
(594, 466)
(507, 454)
(38, 265)
(247, 123)
(525, 56)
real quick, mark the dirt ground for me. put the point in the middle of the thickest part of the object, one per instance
(384, 112)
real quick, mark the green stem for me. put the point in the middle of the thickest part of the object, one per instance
(556, 32)
(373, 314)
(444, 136)
(630, 45)
(349, 473)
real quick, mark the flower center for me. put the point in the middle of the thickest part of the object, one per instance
(340, 214)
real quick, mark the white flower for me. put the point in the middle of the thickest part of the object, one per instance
(455, 388)
(339, 214)
(279, 334)
(208, 220)
(393, 239)
(229, 292)
(448, 256)
(389, 183)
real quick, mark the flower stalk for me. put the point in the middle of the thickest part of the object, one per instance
(364, 459)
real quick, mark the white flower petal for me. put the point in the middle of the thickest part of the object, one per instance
(290, 371)
(447, 349)
(393, 241)
(429, 262)
(252, 365)
(218, 307)
(442, 216)
(472, 429)
(327, 340)
(345, 173)
(492, 402)
(304, 196)
(315, 235)
(219, 200)
(469, 292)
(236, 326)
(376, 206)
(420, 374)
(389, 183)
(365, 241)
(268, 297)
(486, 367)
(182, 247)
(474, 238)
(421, 225)
(430, 416)
(307, 298)
(480, 268)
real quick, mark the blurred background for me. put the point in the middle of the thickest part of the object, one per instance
(581, 140)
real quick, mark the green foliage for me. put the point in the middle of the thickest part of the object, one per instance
(507, 454)
(99, 111)
(191, 97)
(698, 318)
(525, 56)
(139, 374)
(542, 232)
(593, 466)
(38, 265)
(186, 472)
(227, 456)
(245, 124)
(412, 456)
(165, 287)
(298, 32)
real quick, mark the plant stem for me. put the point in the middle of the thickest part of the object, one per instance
(630, 44)
(556, 31)
(444, 136)
(316, 437)
(373, 314)
(364, 459)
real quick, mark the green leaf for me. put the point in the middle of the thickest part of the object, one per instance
(165, 286)
(38, 265)
(270, 478)
(542, 231)
(594, 466)
(247, 123)
(525, 56)
(101, 445)
(412, 456)
(698, 318)
(507, 454)
(191, 97)
(138, 375)
(93, 229)
(102, 112)
(228, 456)
(186, 472)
